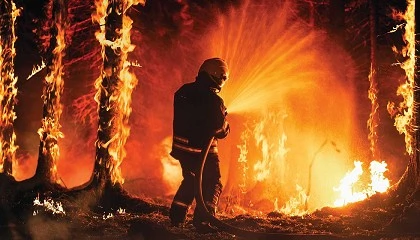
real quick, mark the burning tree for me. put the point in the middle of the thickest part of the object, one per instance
(8, 90)
(50, 131)
(407, 119)
(114, 88)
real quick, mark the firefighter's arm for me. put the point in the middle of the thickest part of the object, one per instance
(224, 128)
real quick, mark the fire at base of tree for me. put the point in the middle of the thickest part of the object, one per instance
(322, 101)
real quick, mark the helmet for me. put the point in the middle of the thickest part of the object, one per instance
(217, 69)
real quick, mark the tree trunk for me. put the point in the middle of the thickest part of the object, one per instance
(108, 89)
(409, 184)
(8, 90)
(373, 121)
(50, 132)
(337, 21)
(416, 161)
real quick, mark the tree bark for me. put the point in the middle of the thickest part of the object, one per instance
(373, 121)
(409, 184)
(337, 20)
(109, 84)
(50, 132)
(8, 90)
(416, 160)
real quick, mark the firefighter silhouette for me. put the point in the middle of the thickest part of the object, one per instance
(199, 114)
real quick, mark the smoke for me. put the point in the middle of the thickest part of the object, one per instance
(44, 228)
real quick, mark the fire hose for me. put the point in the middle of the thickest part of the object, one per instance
(247, 234)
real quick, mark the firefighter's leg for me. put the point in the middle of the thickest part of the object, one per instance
(212, 188)
(183, 197)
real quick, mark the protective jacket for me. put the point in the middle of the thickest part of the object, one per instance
(199, 114)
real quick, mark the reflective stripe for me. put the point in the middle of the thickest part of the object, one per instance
(220, 131)
(211, 205)
(223, 129)
(181, 139)
(181, 204)
(213, 149)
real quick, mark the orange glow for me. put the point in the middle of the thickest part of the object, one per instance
(171, 174)
(120, 98)
(8, 92)
(285, 82)
(350, 185)
(404, 112)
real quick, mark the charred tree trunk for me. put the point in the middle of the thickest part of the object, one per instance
(107, 111)
(373, 88)
(46, 170)
(8, 90)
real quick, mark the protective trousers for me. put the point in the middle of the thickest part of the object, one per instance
(211, 185)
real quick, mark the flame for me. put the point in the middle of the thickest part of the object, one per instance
(50, 131)
(273, 150)
(374, 114)
(36, 69)
(348, 185)
(404, 117)
(242, 160)
(50, 206)
(120, 98)
(378, 181)
(8, 92)
(296, 204)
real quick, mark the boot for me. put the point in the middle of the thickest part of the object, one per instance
(202, 226)
(178, 214)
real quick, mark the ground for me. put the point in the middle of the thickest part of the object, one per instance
(376, 218)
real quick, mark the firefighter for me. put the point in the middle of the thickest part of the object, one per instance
(199, 114)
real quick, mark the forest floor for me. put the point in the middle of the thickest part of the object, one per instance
(370, 219)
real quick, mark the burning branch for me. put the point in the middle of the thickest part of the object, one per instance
(36, 69)
(114, 88)
(8, 89)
